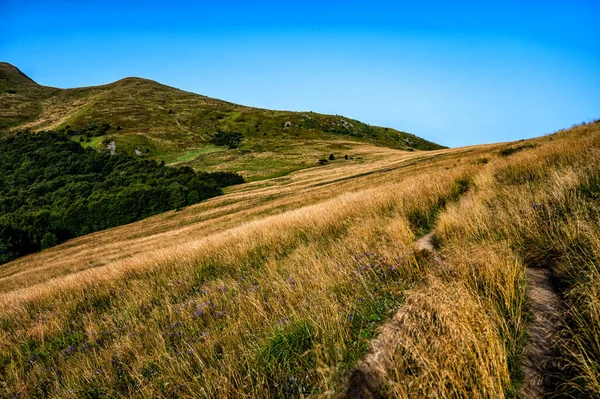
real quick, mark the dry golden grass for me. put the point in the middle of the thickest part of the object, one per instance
(200, 297)
(242, 204)
(462, 333)
(276, 289)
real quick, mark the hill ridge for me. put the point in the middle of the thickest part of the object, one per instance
(176, 126)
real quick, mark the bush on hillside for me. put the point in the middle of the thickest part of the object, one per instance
(94, 129)
(230, 140)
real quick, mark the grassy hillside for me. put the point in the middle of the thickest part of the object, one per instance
(280, 287)
(176, 126)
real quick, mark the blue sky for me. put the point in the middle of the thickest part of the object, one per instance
(456, 73)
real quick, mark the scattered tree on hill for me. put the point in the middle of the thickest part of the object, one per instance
(94, 129)
(229, 139)
(331, 157)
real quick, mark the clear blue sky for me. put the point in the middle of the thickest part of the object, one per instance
(456, 73)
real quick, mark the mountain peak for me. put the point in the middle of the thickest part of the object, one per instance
(11, 74)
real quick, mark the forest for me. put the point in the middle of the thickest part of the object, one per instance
(52, 189)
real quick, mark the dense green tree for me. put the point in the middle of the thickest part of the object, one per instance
(52, 189)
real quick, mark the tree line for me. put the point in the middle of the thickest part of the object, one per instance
(52, 189)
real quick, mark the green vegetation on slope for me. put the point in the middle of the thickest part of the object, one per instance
(52, 189)
(169, 122)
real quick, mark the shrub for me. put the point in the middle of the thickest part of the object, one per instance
(229, 139)
(49, 240)
(511, 150)
(224, 179)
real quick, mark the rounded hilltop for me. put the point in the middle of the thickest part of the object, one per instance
(11, 74)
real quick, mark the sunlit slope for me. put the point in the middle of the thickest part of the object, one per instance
(176, 126)
(272, 257)
(240, 205)
(280, 287)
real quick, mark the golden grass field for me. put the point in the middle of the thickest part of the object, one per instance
(282, 287)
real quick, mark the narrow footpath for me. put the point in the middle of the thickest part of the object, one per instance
(365, 379)
(540, 363)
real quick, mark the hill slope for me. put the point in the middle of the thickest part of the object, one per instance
(277, 288)
(176, 126)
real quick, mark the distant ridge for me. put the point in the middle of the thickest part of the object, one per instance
(176, 126)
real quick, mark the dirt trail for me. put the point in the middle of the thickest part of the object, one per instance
(540, 358)
(540, 364)
(365, 378)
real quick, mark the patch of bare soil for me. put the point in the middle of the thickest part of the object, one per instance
(425, 243)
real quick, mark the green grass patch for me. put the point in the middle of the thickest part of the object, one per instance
(288, 360)
(93, 142)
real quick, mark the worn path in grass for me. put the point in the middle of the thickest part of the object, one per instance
(365, 381)
(540, 363)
